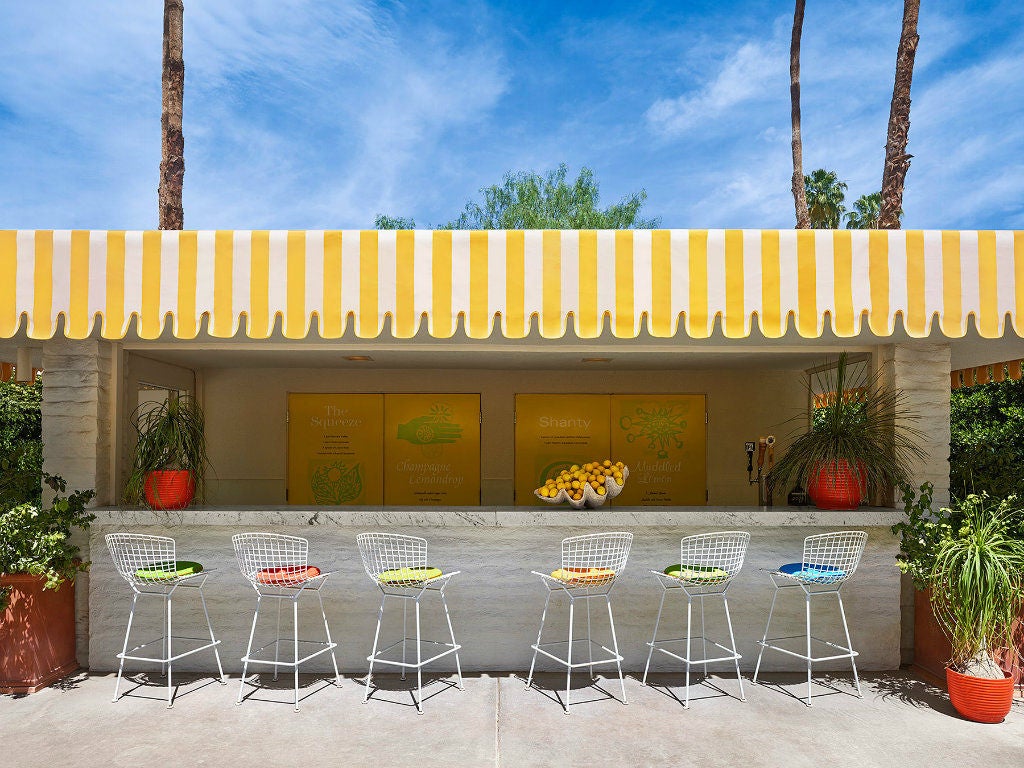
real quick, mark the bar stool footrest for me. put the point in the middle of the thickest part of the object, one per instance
(411, 648)
(166, 660)
(769, 643)
(612, 657)
(323, 647)
(733, 655)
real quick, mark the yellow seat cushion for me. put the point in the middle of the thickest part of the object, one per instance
(584, 576)
(168, 571)
(406, 576)
(698, 574)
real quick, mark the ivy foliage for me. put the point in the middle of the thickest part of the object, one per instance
(987, 440)
(21, 443)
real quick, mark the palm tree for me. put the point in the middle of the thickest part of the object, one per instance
(825, 197)
(897, 161)
(865, 213)
(803, 220)
(172, 160)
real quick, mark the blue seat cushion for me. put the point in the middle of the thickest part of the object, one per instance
(825, 574)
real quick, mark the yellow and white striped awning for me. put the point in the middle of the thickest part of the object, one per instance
(319, 282)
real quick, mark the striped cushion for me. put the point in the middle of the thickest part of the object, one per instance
(407, 576)
(584, 576)
(287, 574)
(824, 574)
(698, 574)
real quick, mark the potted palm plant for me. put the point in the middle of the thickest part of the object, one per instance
(170, 456)
(977, 593)
(861, 437)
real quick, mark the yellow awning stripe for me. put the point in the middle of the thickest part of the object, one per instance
(328, 283)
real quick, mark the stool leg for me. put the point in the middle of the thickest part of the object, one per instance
(703, 637)
(764, 639)
(163, 649)
(373, 653)
(419, 663)
(405, 633)
(277, 642)
(654, 637)
(732, 640)
(220, 669)
(615, 647)
(124, 648)
(590, 646)
(327, 629)
(689, 616)
(568, 669)
(458, 664)
(248, 650)
(170, 652)
(808, 649)
(540, 632)
(849, 644)
(295, 646)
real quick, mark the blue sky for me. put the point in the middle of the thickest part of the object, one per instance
(313, 114)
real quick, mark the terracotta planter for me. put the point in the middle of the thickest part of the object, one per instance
(37, 634)
(978, 699)
(932, 650)
(170, 489)
(836, 486)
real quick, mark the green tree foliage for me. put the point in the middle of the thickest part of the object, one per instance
(21, 444)
(865, 213)
(826, 196)
(528, 200)
(987, 440)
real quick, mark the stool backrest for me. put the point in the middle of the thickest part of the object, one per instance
(382, 552)
(608, 551)
(725, 550)
(134, 552)
(840, 551)
(257, 552)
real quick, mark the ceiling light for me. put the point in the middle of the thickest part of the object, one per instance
(359, 358)
(597, 359)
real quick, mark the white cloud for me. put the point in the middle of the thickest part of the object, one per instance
(755, 70)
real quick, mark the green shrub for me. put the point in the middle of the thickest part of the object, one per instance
(21, 445)
(987, 440)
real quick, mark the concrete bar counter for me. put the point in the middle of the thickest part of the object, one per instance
(495, 602)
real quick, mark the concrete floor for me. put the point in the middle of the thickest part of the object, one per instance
(901, 722)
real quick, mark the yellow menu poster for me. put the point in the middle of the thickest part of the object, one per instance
(555, 431)
(661, 438)
(335, 449)
(432, 450)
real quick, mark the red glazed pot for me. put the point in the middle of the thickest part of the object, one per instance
(837, 486)
(170, 489)
(978, 699)
(37, 634)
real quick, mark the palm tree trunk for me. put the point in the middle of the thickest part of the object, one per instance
(172, 161)
(897, 161)
(803, 218)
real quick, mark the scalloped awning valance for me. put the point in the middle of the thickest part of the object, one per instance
(321, 282)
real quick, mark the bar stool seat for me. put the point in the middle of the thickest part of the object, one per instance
(277, 568)
(150, 566)
(829, 559)
(590, 565)
(398, 567)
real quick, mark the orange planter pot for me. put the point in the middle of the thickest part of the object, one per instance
(836, 486)
(37, 634)
(978, 699)
(170, 489)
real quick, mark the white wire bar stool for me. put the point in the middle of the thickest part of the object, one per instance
(150, 566)
(590, 565)
(277, 567)
(829, 559)
(398, 566)
(708, 563)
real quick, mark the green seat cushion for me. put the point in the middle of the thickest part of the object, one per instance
(402, 576)
(698, 574)
(164, 571)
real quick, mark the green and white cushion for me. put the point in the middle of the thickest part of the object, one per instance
(697, 574)
(168, 571)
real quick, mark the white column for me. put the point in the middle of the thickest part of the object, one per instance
(77, 437)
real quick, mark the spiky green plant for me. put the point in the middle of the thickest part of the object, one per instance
(977, 581)
(862, 422)
(171, 435)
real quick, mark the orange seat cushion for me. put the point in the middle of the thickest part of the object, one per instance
(287, 574)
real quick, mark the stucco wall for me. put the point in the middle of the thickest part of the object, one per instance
(247, 434)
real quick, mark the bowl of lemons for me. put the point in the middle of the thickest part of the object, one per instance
(585, 485)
